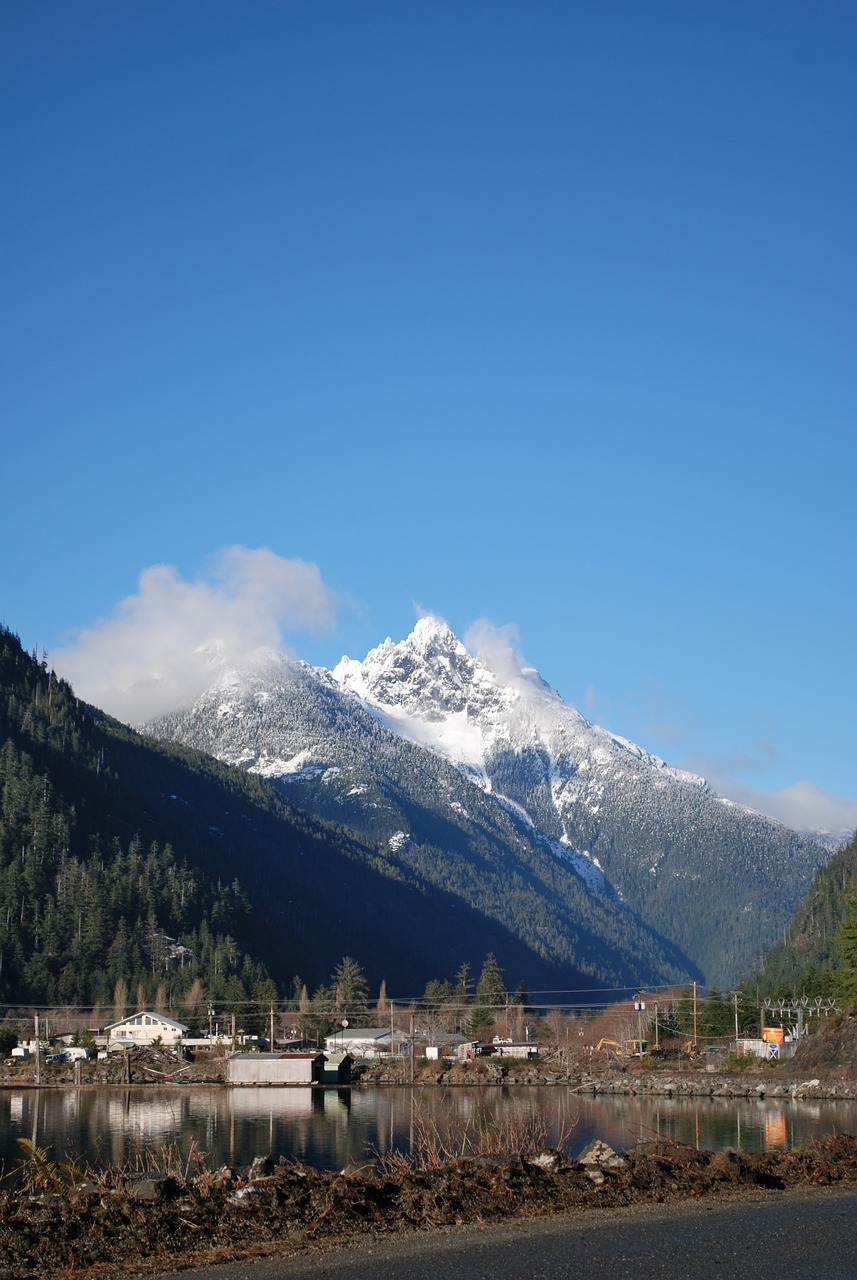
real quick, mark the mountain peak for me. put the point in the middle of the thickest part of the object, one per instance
(432, 632)
(429, 674)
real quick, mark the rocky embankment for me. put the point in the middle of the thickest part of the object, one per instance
(825, 1066)
(139, 1066)
(73, 1224)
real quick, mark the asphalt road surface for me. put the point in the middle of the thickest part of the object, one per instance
(785, 1236)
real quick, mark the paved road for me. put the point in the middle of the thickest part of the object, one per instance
(791, 1236)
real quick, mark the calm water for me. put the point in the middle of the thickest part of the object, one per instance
(328, 1128)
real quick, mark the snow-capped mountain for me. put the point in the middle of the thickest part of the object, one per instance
(330, 755)
(425, 746)
(715, 877)
(430, 689)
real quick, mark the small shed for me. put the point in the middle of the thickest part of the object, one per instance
(337, 1068)
(275, 1068)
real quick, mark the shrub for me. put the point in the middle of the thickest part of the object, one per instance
(741, 1062)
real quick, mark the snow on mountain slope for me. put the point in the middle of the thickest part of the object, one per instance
(330, 756)
(430, 689)
(422, 744)
(657, 832)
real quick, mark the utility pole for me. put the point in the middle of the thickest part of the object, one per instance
(695, 1040)
(412, 1046)
(639, 1005)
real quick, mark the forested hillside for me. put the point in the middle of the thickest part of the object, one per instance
(122, 860)
(808, 960)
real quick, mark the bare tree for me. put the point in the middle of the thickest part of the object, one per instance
(120, 999)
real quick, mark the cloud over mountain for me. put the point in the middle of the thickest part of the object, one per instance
(161, 647)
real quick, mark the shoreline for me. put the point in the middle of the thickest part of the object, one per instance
(73, 1224)
(164, 1069)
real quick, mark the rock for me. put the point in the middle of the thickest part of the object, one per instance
(247, 1197)
(546, 1159)
(366, 1172)
(155, 1188)
(599, 1155)
(262, 1167)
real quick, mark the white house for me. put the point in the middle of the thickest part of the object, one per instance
(365, 1042)
(144, 1029)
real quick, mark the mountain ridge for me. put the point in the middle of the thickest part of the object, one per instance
(331, 757)
(425, 721)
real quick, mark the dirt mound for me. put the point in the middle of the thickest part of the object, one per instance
(96, 1229)
(830, 1051)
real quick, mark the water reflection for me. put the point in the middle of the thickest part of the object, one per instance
(329, 1128)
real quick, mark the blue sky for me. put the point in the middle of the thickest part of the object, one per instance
(537, 314)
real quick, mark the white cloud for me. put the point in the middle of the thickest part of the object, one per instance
(804, 806)
(161, 647)
(498, 647)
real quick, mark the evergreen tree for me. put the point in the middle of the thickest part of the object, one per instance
(490, 997)
(351, 992)
(490, 991)
(318, 1019)
(463, 984)
(846, 946)
(436, 995)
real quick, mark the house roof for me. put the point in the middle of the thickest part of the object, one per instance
(148, 1013)
(363, 1033)
(275, 1057)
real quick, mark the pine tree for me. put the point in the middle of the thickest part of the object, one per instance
(351, 992)
(490, 991)
(463, 984)
(846, 946)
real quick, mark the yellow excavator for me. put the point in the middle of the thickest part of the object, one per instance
(623, 1048)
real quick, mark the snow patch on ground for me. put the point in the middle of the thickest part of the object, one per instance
(587, 867)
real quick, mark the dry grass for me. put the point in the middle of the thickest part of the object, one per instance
(40, 1174)
(165, 1160)
(433, 1144)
